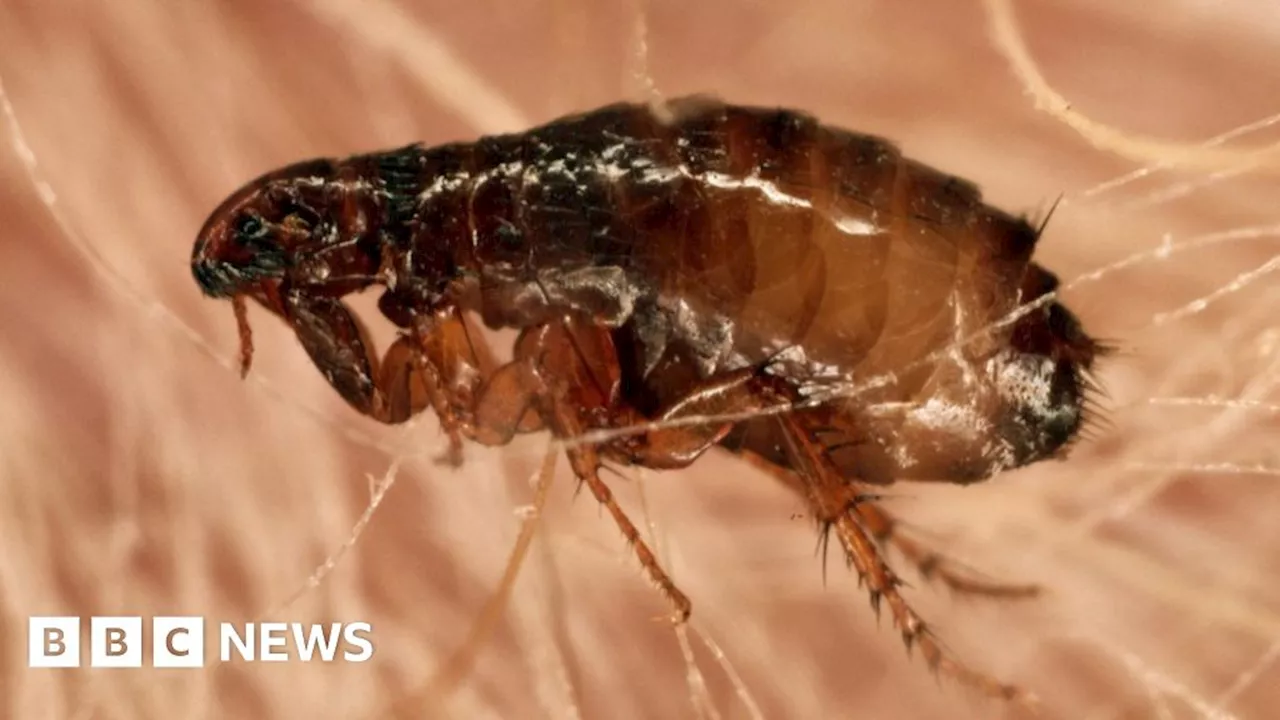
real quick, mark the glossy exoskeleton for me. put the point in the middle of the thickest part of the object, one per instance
(808, 297)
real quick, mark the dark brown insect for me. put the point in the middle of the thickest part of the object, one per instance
(717, 275)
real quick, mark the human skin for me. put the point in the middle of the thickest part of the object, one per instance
(142, 476)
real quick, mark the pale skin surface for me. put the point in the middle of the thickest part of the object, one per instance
(141, 476)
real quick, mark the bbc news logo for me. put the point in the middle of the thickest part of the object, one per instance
(179, 642)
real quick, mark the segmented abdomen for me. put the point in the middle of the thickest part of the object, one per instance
(720, 234)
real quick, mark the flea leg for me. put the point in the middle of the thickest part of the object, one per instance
(567, 423)
(829, 497)
(931, 564)
(453, 361)
(550, 376)
(388, 390)
(439, 363)
(338, 345)
(837, 502)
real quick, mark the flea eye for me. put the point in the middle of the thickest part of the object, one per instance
(511, 238)
(249, 227)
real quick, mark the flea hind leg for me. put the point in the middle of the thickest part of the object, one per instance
(829, 496)
(934, 565)
(836, 501)
(885, 529)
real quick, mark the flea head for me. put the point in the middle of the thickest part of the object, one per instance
(304, 227)
(304, 233)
